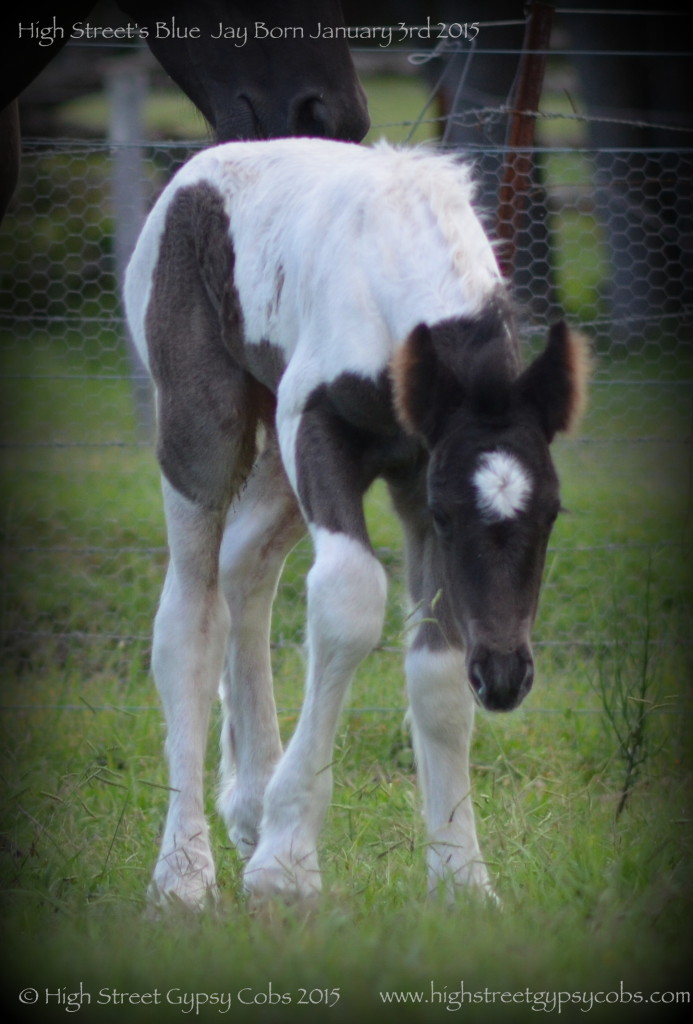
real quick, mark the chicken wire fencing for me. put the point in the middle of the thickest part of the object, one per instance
(606, 240)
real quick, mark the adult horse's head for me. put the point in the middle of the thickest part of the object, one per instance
(250, 66)
(259, 69)
(493, 490)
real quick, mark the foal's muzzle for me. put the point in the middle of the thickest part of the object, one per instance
(500, 681)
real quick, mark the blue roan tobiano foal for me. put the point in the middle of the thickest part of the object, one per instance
(315, 315)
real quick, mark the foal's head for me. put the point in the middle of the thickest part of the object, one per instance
(493, 493)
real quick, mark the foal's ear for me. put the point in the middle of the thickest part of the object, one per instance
(555, 384)
(422, 387)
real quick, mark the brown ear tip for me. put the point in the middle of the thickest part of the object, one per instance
(580, 360)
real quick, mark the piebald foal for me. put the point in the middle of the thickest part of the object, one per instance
(315, 315)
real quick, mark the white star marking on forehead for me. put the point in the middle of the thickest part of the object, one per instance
(502, 485)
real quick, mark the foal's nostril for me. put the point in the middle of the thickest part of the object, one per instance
(501, 681)
(527, 679)
(477, 678)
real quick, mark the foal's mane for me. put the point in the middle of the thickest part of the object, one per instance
(481, 353)
(445, 183)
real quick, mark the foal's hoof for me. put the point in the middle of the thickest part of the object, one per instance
(450, 891)
(183, 882)
(162, 904)
(449, 882)
(241, 814)
(294, 883)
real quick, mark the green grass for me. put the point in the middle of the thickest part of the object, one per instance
(588, 901)
(591, 901)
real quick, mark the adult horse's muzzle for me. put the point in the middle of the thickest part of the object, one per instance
(308, 113)
(500, 680)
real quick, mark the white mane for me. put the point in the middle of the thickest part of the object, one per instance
(446, 186)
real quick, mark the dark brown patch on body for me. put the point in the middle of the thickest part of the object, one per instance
(348, 436)
(266, 363)
(206, 400)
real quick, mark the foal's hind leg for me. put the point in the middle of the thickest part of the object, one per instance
(262, 527)
(207, 409)
(190, 632)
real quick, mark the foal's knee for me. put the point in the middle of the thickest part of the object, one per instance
(347, 592)
(440, 699)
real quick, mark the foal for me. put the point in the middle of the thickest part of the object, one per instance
(315, 315)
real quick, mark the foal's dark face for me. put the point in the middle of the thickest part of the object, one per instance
(493, 497)
(492, 487)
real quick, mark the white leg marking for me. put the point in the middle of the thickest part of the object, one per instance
(442, 715)
(346, 606)
(261, 530)
(190, 633)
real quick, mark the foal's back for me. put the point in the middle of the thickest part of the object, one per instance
(336, 248)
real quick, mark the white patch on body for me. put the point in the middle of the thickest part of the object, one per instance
(329, 241)
(502, 485)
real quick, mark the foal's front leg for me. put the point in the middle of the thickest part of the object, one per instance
(441, 706)
(442, 718)
(346, 597)
(346, 592)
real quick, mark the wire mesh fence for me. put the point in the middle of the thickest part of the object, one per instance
(606, 241)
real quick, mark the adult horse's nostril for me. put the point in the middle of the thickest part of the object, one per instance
(310, 116)
(241, 120)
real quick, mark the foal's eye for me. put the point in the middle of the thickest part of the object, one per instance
(552, 514)
(441, 520)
